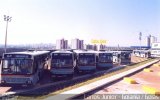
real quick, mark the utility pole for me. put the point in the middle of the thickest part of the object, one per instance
(140, 38)
(7, 19)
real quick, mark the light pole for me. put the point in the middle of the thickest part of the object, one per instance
(140, 38)
(7, 19)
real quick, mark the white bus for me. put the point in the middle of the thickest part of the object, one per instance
(142, 53)
(155, 50)
(25, 68)
(155, 53)
(104, 59)
(62, 63)
(85, 61)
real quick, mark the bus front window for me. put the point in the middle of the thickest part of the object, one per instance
(17, 66)
(87, 60)
(62, 62)
(105, 58)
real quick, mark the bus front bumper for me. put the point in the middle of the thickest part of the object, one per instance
(105, 65)
(62, 71)
(16, 81)
(86, 68)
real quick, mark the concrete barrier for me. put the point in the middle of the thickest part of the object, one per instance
(157, 65)
(147, 70)
(151, 90)
(129, 80)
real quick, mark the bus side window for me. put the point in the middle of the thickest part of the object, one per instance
(35, 65)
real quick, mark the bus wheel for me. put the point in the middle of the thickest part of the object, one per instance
(38, 78)
(93, 71)
(54, 78)
(70, 76)
(76, 70)
(1, 85)
(30, 86)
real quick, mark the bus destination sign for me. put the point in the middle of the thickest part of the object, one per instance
(16, 56)
(62, 54)
(87, 54)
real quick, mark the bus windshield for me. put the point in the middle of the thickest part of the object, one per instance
(87, 59)
(105, 57)
(17, 66)
(125, 56)
(62, 60)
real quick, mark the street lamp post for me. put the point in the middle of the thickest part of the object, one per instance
(140, 38)
(7, 19)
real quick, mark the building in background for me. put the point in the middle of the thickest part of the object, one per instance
(95, 47)
(90, 47)
(74, 44)
(77, 44)
(150, 40)
(155, 49)
(102, 47)
(62, 44)
(81, 45)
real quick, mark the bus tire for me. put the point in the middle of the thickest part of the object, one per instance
(30, 85)
(80, 72)
(38, 78)
(70, 76)
(93, 71)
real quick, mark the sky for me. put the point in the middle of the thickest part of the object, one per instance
(44, 21)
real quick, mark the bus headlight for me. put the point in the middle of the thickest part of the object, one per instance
(3, 81)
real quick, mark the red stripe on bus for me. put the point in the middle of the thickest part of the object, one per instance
(16, 75)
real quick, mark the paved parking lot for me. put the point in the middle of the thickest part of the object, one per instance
(149, 79)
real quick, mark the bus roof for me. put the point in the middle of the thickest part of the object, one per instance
(84, 51)
(33, 53)
(142, 50)
(62, 51)
(104, 52)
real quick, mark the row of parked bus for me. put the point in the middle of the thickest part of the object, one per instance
(122, 57)
(142, 53)
(28, 67)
